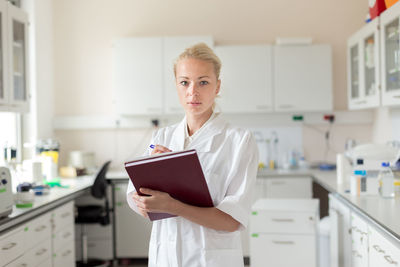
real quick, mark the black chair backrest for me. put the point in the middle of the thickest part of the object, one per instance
(99, 186)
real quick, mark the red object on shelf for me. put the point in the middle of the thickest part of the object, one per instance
(376, 7)
(329, 117)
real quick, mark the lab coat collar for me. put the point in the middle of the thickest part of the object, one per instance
(202, 142)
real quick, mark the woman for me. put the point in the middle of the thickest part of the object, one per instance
(229, 157)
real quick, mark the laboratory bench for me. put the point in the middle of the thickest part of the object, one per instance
(382, 214)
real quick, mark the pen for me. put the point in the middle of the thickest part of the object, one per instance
(152, 146)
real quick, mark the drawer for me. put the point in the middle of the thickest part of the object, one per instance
(46, 263)
(283, 250)
(40, 253)
(300, 187)
(12, 245)
(283, 222)
(94, 231)
(66, 235)
(382, 251)
(97, 249)
(65, 257)
(62, 216)
(38, 230)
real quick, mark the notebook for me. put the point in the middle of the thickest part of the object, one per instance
(177, 173)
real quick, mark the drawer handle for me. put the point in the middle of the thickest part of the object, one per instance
(283, 242)
(41, 252)
(66, 214)
(377, 248)
(9, 246)
(66, 253)
(390, 260)
(396, 96)
(355, 253)
(286, 106)
(23, 265)
(40, 228)
(277, 182)
(282, 220)
(67, 234)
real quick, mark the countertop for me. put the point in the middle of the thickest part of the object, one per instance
(42, 204)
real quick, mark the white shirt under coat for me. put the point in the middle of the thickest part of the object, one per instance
(229, 159)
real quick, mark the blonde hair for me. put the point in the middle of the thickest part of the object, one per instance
(201, 51)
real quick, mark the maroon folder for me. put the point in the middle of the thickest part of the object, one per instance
(177, 173)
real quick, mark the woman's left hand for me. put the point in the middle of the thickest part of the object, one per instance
(157, 201)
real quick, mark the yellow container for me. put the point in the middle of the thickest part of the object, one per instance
(390, 3)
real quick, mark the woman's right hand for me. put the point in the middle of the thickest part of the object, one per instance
(158, 149)
(141, 211)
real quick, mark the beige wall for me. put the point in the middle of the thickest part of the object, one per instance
(84, 31)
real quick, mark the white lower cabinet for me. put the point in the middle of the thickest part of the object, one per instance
(340, 236)
(44, 241)
(382, 251)
(283, 232)
(288, 187)
(359, 241)
(65, 257)
(130, 226)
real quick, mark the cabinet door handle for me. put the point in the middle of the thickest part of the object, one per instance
(277, 183)
(286, 106)
(66, 253)
(41, 252)
(361, 102)
(67, 234)
(40, 228)
(390, 260)
(9, 246)
(65, 214)
(282, 220)
(283, 242)
(377, 248)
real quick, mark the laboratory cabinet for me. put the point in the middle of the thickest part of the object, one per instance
(44, 241)
(132, 230)
(390, 55)
(340, 235)
(359, 241)
(383, 251)
(143, 76)
(302, 78)
(14, 86)
(283, 232)
(288, 187)
(246, 77)
(363, 67)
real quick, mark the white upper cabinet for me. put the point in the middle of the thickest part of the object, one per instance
(3, 57)
(138, 73)
(14, 86)
(246, 78)
(144, 79)
(363, 67)
(172, 48)
(390, 55)
(303, 78)
(18, 79)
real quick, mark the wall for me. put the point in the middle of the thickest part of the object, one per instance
(84, 31)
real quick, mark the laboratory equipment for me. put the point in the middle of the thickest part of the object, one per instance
(6, 195)
(25, 196)
(387, 181)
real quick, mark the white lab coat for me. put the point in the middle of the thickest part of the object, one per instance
(229, 159)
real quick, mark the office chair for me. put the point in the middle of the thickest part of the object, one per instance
(91, 214)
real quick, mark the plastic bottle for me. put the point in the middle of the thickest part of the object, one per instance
(386, 179)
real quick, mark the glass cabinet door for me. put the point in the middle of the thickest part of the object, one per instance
(17, 21)
(392, 56)
(354, 72)
(3, 54)
(370, 66)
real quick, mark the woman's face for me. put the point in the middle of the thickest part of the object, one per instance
(197, 85)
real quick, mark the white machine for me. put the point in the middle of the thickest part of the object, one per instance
(6, 195)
